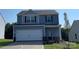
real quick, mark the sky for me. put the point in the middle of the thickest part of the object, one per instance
(10, 15)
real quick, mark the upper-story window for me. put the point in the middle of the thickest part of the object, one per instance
(29, 19)
(55, 19)
(33, 19)
(25, 19)
(48, 19)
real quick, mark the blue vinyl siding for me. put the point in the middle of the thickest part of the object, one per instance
(55, 20)
(41, 19)
(48, 20)
(52, 32)
(51, 20)
(19, 19)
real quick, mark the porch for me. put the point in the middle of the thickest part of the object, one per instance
(52, 34)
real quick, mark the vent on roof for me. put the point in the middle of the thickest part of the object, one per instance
(30, 10)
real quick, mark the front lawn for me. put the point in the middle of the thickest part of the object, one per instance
(53, 46)
(4, 42)
(62, 46)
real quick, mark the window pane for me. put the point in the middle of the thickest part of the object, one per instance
(48, 19)
(33, 19)
(25, 19)
(55, 20)
(75, 36)
(41, 19)
(28, 19)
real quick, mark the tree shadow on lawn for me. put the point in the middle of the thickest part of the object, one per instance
(4, 43)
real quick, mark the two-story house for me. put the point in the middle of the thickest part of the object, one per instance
(34, 25)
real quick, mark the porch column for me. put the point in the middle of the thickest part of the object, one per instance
(13, 31)
(60, 33)
(44, 31)
(14, 39)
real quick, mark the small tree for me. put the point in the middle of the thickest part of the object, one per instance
(9, 31)
(65, 34)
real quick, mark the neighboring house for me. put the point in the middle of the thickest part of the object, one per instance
(2, 27)
(37, 25)
(74, 32)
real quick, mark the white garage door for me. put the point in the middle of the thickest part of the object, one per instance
(24, 35)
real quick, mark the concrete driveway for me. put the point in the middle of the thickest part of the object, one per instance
(25, 45)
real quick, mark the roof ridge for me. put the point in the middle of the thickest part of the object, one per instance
(44, 11)
(2, 16)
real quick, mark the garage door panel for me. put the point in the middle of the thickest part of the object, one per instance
(23, 35)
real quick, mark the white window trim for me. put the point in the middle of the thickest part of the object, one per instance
(34, 16)
(30, 18)
(24, 19)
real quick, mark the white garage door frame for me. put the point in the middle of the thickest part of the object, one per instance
(29, 34)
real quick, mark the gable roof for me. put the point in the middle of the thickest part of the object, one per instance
(40, 12)
(2, 18)
(75, 25)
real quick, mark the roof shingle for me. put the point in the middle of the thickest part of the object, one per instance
(40, 12)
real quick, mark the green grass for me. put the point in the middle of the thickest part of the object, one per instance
(61, 46)
(4, 42)
(53, 46)
(74, 46)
